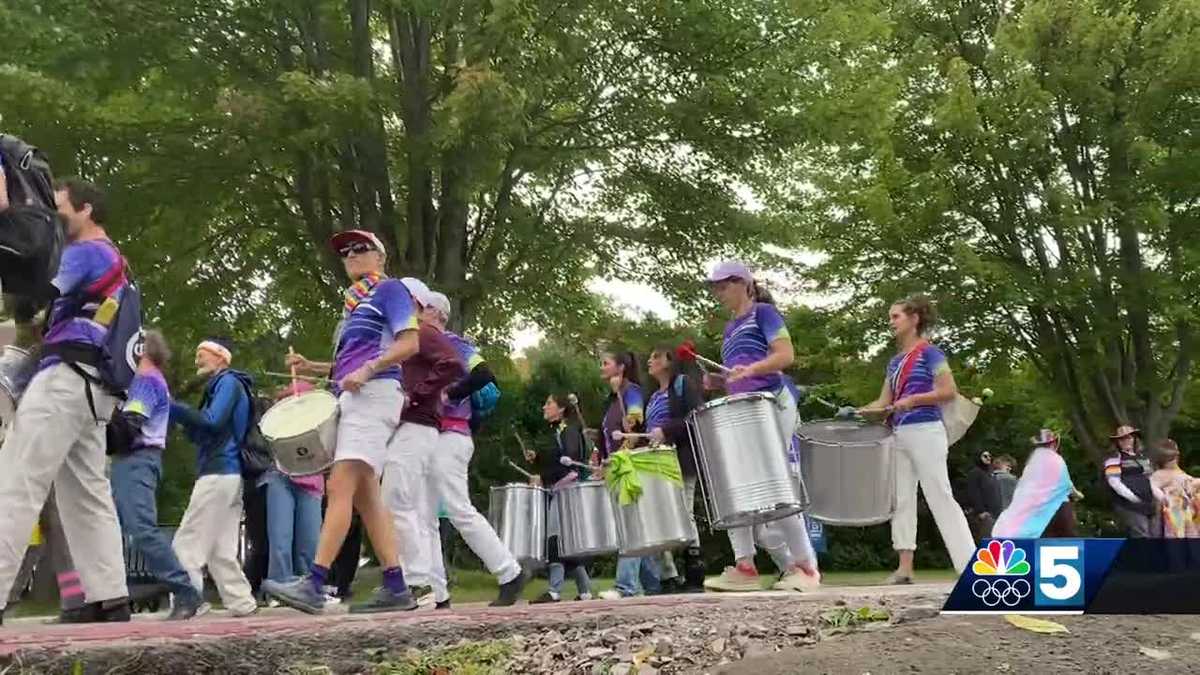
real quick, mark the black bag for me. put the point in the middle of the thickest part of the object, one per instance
(257, 457)
(119, 434)
(32, 235)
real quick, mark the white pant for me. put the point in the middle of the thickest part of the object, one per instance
(208, 535)
(367, 418)
(409, 494)
(450, 464)
(56, 440)
(792, 531)
(921, 451)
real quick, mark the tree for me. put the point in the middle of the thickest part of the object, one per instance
(1032, 165)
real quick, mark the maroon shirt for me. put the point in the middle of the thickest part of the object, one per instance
(427, 373)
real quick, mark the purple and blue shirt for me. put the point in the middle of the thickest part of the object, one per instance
(150, 397)
(90, 278)
(747, 340)
(930, 362)
(369, 329)
(456, 415)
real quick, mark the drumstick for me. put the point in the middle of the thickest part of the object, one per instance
(622, 435)
(687, 351)
(295, 382)
(567, 461)
(825, 403)
(303, 378)
(523, 472)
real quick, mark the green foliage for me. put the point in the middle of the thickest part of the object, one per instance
(477, 658)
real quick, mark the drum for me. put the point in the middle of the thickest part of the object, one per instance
(517, 513)
(302, 431)
(587, 520)
(658, 521)
(743, 461)
(850, 469)
(17, 367)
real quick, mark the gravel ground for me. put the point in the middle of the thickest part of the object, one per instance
(852, 631)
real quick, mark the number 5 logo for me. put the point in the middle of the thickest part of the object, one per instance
(1060, 574)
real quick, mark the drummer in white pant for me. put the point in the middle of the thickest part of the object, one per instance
(408, 487)
(453, 457)
(756, 348)
(918, 382)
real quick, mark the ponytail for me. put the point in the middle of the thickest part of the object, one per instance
(760, 294)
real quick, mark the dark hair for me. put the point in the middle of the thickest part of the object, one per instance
(629, 362)
(1168, 451)
(563, 399)
(689, 369)
(156, 349)
(82, 193)
(760, 294)
(922, 307)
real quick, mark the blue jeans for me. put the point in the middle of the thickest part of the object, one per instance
(644, 570)
(135, 480)
(293, 527)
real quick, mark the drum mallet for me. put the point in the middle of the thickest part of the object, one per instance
(302, 378)
(687, 352)
(567, 461)
(295, 382)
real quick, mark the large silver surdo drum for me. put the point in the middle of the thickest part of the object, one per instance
(17, 367)
(302, 431)
(850, 469)
(517, 513)
(658, 521)
(587, 520)
(743, 461)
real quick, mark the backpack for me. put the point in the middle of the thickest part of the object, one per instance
(257, 457)
(119, 434)
(32, 235)
(483, 402)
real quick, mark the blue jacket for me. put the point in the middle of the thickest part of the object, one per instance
(219, 427)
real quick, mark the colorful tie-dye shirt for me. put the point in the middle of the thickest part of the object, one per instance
(371, 327)
(930, 362)
(1043, 487)
(150, 398)
(456, 415)
(630, 403)
(748, 340)
(86, 270)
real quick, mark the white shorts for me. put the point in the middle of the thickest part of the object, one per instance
(368, 418)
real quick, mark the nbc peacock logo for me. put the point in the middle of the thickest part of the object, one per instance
(995, 565)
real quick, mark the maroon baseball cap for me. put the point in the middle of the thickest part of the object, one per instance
(345, 238)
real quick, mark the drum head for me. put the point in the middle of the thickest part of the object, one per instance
(296, 415)
(843, 432)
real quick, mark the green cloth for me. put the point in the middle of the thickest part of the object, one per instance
(625, 469)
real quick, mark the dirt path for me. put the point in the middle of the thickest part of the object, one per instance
(1126, 645)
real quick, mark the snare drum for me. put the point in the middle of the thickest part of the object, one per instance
(17, 367)
(586, 519)
(743, 461)
(517, 513)
(302, 431)
(851, 469)
(659, 520)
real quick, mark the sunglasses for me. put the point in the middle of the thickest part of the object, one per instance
(356, 247)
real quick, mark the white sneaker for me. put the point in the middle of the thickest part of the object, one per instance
(610, 594)
(798, 580)
(426, 600)
(734, 579)
(584, 596)
(332, 600)
(272, 603)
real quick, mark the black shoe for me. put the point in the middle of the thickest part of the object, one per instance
(511, 591)
(386, 601)
(543, 599)
(670, 587)
(109, 611)
(444, 604)
(188, 608)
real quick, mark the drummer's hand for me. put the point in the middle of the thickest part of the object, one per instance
(297, 361)
(355, 380)
(618, 436)
(903, 405)
(657, 436)
(846, 412)
(739, 372)
(713, 382)
(530, 456)
(535, 481)
(594, 458)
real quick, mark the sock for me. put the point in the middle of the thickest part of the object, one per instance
(393, 580)
(317, 576)
(747, 567)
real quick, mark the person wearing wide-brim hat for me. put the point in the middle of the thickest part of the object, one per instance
(1127, 473)
(1041, 505)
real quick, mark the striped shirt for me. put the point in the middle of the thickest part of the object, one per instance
(658, 410)
(370, 328)
(930, 362)
(456, 415)
(747, 340)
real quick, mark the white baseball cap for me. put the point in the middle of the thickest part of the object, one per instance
(417, 289)
(438, 301)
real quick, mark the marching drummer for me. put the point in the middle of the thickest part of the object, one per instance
(755, 349)
(623, 415)
(377, 332)
(918, 382)
(567, 441)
